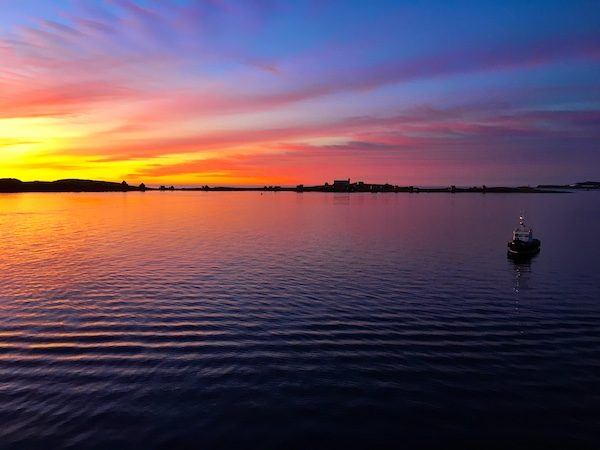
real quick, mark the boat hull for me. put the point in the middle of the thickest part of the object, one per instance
(519, 249)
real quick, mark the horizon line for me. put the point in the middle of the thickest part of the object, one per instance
(307, 185)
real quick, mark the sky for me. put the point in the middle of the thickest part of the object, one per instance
(256, 92)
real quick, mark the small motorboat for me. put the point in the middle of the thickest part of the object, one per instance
(523, 244)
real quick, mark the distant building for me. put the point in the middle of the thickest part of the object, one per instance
(341, 185)
(588, 185)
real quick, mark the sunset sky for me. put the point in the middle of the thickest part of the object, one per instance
(266, 92)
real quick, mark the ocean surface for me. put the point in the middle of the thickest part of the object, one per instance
(283, 320)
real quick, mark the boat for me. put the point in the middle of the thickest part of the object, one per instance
(523, 243)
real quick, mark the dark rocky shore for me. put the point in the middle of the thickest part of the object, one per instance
(14, 185)
(8, 185)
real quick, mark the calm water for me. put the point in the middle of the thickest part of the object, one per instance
(167, 320)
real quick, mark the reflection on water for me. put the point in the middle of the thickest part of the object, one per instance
(168, 320)
(522, 272)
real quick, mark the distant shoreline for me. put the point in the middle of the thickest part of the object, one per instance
(11, 185)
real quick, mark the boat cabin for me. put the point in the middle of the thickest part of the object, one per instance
(522, 233)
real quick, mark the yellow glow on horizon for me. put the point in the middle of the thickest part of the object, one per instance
(52, 148)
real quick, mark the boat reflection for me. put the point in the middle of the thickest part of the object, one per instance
(522, 273)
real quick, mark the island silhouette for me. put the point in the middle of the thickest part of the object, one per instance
(13, 185)
(70, 185)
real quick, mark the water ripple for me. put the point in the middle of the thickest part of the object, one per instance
(139, 322)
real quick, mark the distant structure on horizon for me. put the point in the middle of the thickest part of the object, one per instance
(345, 185)
(341, 185)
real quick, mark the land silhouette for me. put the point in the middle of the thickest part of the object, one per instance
(13, 185)
(71, 185)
